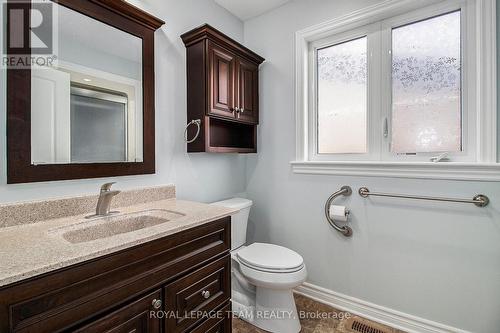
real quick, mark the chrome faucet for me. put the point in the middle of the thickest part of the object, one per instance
(104, 202)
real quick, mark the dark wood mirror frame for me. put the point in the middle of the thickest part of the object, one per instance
(120, 15)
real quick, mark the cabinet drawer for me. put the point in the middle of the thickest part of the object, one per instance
(132, 318)
(221, 323)
(194, 296)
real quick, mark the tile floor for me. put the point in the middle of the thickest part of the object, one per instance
(335, 321)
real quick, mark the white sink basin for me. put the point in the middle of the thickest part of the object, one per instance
(104, 227)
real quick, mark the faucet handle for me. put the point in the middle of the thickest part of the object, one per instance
(107, 187)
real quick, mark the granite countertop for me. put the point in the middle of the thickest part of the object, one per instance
(27, 250)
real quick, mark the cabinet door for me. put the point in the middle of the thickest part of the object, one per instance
(248, 91)
(196, 296)
(222, 79)
(219, 323)
(132, 318)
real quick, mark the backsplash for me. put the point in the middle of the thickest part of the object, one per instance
(36, 211)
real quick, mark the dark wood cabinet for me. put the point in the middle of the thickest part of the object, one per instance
(222, 91)
(219, 323)
(132, 318)
(222, 97)
(248, 100)
(122, 291)
(199, 292)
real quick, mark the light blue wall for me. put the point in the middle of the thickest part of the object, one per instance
(416, 257)
(498, 73)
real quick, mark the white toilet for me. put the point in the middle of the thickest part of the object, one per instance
(263, 276)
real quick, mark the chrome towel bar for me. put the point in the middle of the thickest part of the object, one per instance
(479, 200)
(345, 230)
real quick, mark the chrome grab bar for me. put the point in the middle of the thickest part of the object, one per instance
(479, 200)
(344, 230)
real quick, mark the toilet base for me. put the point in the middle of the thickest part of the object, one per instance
(274, 311)
(265, 299)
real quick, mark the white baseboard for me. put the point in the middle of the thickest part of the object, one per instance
(383, 315)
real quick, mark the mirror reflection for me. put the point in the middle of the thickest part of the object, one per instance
(88, 107)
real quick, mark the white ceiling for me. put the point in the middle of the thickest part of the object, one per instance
(246, 9)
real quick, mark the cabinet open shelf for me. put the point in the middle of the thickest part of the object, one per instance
(231, 137)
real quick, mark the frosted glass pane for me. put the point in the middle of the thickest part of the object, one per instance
(342, 95)
(426, 110)
(98, 130)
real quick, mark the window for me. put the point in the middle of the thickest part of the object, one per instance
(380, 91)
(426, 94)
(414, 88)
(342, 98)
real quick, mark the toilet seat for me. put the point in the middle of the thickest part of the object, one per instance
(270, 258)
(275, 280)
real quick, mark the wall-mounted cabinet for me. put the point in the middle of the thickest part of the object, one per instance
(222, 92)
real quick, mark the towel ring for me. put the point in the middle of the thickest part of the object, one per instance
(196, 122)
(344, 230)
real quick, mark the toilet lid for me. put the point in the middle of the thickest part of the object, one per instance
(270, 257)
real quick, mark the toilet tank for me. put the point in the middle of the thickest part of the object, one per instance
(239, 220)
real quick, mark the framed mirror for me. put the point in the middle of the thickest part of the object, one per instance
(86, 108)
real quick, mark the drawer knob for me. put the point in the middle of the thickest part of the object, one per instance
(156, 303)
(205, 294)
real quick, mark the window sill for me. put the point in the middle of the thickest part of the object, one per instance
(415, 170)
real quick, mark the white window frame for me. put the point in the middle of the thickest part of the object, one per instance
(468, 79)
(372, 149)
(478, 89)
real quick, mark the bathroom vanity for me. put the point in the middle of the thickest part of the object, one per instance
(158, 266)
